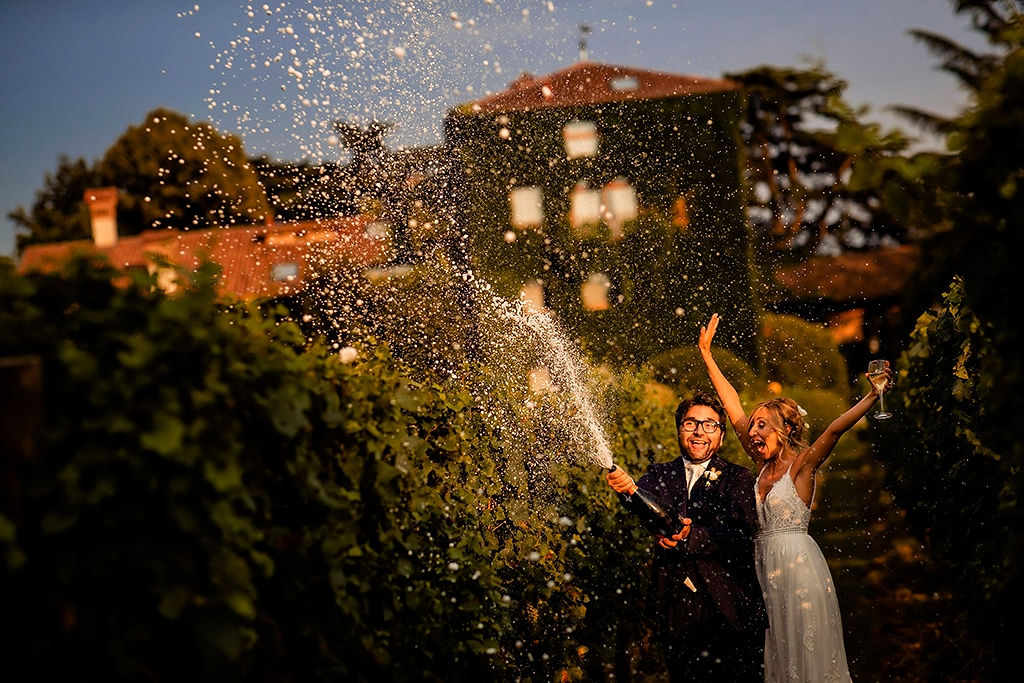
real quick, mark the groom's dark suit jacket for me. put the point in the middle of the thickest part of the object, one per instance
(717, 556)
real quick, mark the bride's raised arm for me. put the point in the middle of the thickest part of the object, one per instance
(815, 456)
(727, 394)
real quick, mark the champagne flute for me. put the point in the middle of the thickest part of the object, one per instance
(876, 373)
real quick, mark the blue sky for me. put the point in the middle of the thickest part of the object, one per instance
(77, 73)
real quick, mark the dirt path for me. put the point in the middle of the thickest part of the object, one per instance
(894, 606)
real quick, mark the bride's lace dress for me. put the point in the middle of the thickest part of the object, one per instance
(805, 635)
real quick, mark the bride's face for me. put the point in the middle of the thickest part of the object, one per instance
(764, 430)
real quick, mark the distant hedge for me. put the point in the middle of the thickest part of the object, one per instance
(801, 354)
(684, 369)
(212, 499)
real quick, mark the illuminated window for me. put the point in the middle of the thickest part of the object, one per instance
(619, 201)
(584, 209)
(680, 213)
(624, 83)
(526, 207)
(594, 292)
(284, 272)
(580, 139)
(540, 381)
(532, 296)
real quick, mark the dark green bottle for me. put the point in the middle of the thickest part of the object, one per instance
(656, 515)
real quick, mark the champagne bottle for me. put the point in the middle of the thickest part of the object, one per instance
(655, 514)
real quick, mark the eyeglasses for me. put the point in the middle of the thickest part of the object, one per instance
(709, 426)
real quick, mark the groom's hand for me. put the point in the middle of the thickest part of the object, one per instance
(621, 482)
(673, 541)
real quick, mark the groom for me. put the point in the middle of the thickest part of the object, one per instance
(707, 603)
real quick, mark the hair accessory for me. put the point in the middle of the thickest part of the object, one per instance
(803, 413)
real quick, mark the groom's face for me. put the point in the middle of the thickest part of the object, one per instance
(698, 445)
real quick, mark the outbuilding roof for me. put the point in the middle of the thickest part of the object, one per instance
(256, 261)
(589, 82)
(852, 276)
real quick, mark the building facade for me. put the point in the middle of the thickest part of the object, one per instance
(611, 195)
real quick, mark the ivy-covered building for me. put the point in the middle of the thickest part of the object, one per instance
(611, 195)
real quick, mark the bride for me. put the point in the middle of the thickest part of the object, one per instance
(805, 636)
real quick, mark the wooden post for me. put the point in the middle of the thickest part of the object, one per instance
(21, 407)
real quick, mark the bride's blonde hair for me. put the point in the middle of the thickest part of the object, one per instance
(787, 418)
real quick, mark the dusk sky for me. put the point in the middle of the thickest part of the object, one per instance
(77, 73)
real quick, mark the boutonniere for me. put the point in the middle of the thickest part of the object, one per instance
(711, 475)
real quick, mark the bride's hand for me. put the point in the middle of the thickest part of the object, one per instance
(890, 380)
(707, 334)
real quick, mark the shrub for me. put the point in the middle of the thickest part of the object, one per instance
(801, 354)
(940, 462)
(214, 500)
(683, 369)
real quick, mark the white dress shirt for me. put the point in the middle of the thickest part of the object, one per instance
(694, 471)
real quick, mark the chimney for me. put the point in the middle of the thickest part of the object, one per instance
(102, 203)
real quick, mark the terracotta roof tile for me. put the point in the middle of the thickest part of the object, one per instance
(853, 276)
(247, 255)
(595, 83)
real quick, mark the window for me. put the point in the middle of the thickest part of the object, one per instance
(624, 83)
(619, 201)
(286, 271)
(680, 213)
(532, 296)
(540, 381)
(526, 207)
(594, 292)
(584, 210)
(580, 139)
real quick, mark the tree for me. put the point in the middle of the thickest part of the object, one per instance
(820, 177)
(971, 68)
(169, 172)
(304, 191)
(58, 212)
(961, 374)
(177, 174)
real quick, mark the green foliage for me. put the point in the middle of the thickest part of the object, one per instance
(959, 472)
(684, 370)
(815, 170)
(424, 312)
(801, 354)
(665, 278)
(59, 211)
(169, 171)
(212, 500)
(957, 490)
(181, 174)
